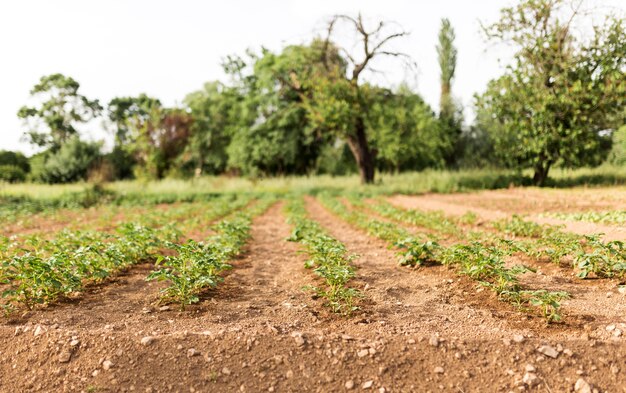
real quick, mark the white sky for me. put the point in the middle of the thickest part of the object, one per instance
(170, 48)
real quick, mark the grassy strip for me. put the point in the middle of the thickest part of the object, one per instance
(328, 257)
(485, 264)
(198, 265)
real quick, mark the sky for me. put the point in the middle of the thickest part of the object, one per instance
(168, 49)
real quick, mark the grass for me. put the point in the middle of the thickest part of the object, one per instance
(442, 181)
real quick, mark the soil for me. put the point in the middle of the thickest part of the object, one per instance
(489, 206)
(417, 330)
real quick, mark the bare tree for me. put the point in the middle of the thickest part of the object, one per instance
(371, 44)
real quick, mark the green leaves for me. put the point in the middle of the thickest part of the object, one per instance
(328, 257)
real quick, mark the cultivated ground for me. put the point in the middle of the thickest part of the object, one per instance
(417, 329)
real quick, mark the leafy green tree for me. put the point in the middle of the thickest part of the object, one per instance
(618, 151)
(216, 111)
(14, 158)
(450, 113)
(122, 111)
(562, 90)
(404, 131)
(334, 100)
(446, 56)
(61, 110)
(273, 134)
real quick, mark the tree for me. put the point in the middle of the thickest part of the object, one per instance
(271, 132)
(70, 163)
(61, 111)
(562, 91)
(446, 56)
(450, 114)
(123, 110)
(336, 103)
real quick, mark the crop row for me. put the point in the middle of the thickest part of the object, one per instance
(327, 256)
(197, 266)
(43, 270)
(605, 217)
(589, 254)
(483, 263)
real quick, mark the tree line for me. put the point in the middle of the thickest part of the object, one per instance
(308, 109)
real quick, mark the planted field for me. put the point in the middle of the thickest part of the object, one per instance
(328, 291)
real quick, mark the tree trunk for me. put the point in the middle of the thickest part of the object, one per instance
(362, 154)
(541, 173)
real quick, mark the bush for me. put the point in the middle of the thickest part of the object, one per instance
(15, 159)
(12, 173)
(617, 155)
(70, 163)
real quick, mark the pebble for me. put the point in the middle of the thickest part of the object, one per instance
(367, 384)
(147, 340)
(191, 352)
(530, 368)
(299, 339)
(38, 331)
(610, 328)
(226, 371)
(349, 384)
(518, 338)
(530, 379)
(548, 351)
(582, 386)
(107, 364)
(434, 341)
(65, 357)
(439, 370)
(74, 343)
(363, 353)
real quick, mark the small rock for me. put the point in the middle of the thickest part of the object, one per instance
(372, 351)
(38, 331)
(530, 379)
(191, 352)
(568, 352)
(349, 385)
(614, 369)
(74, 343)
(367, 384)
(439, 370)
(410, 341)
(345, 337)
(506, 341)
(434, 341)
(147, 340)
(518, 338)
(65, 357)
(617, 333)
(107, 364)
(582, 386)
(622, 289)
(363, 353)
(95, 373)
(548, 351)
(226, 371)
(164, 308)
(530, 368)
(299, 339)
(610, 328)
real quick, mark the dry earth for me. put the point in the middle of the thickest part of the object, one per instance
(417, 330)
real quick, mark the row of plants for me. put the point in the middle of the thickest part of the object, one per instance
(605, 217)
(40, 270)
(485, 263)
(590, 255)
(197, 266)
(328, 258)
(32, 278)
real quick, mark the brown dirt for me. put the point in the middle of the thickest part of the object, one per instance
(259, 331)
(461, 204)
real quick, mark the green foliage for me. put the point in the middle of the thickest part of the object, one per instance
(328, 257)
(605, 217)
(62, 110)
(14, 159)
(617, 155)
(70, 163)
(560, 92)
(602, 259)
(197, 266)
(12, 173)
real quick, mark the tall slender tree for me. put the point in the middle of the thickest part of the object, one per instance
(446, 55)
